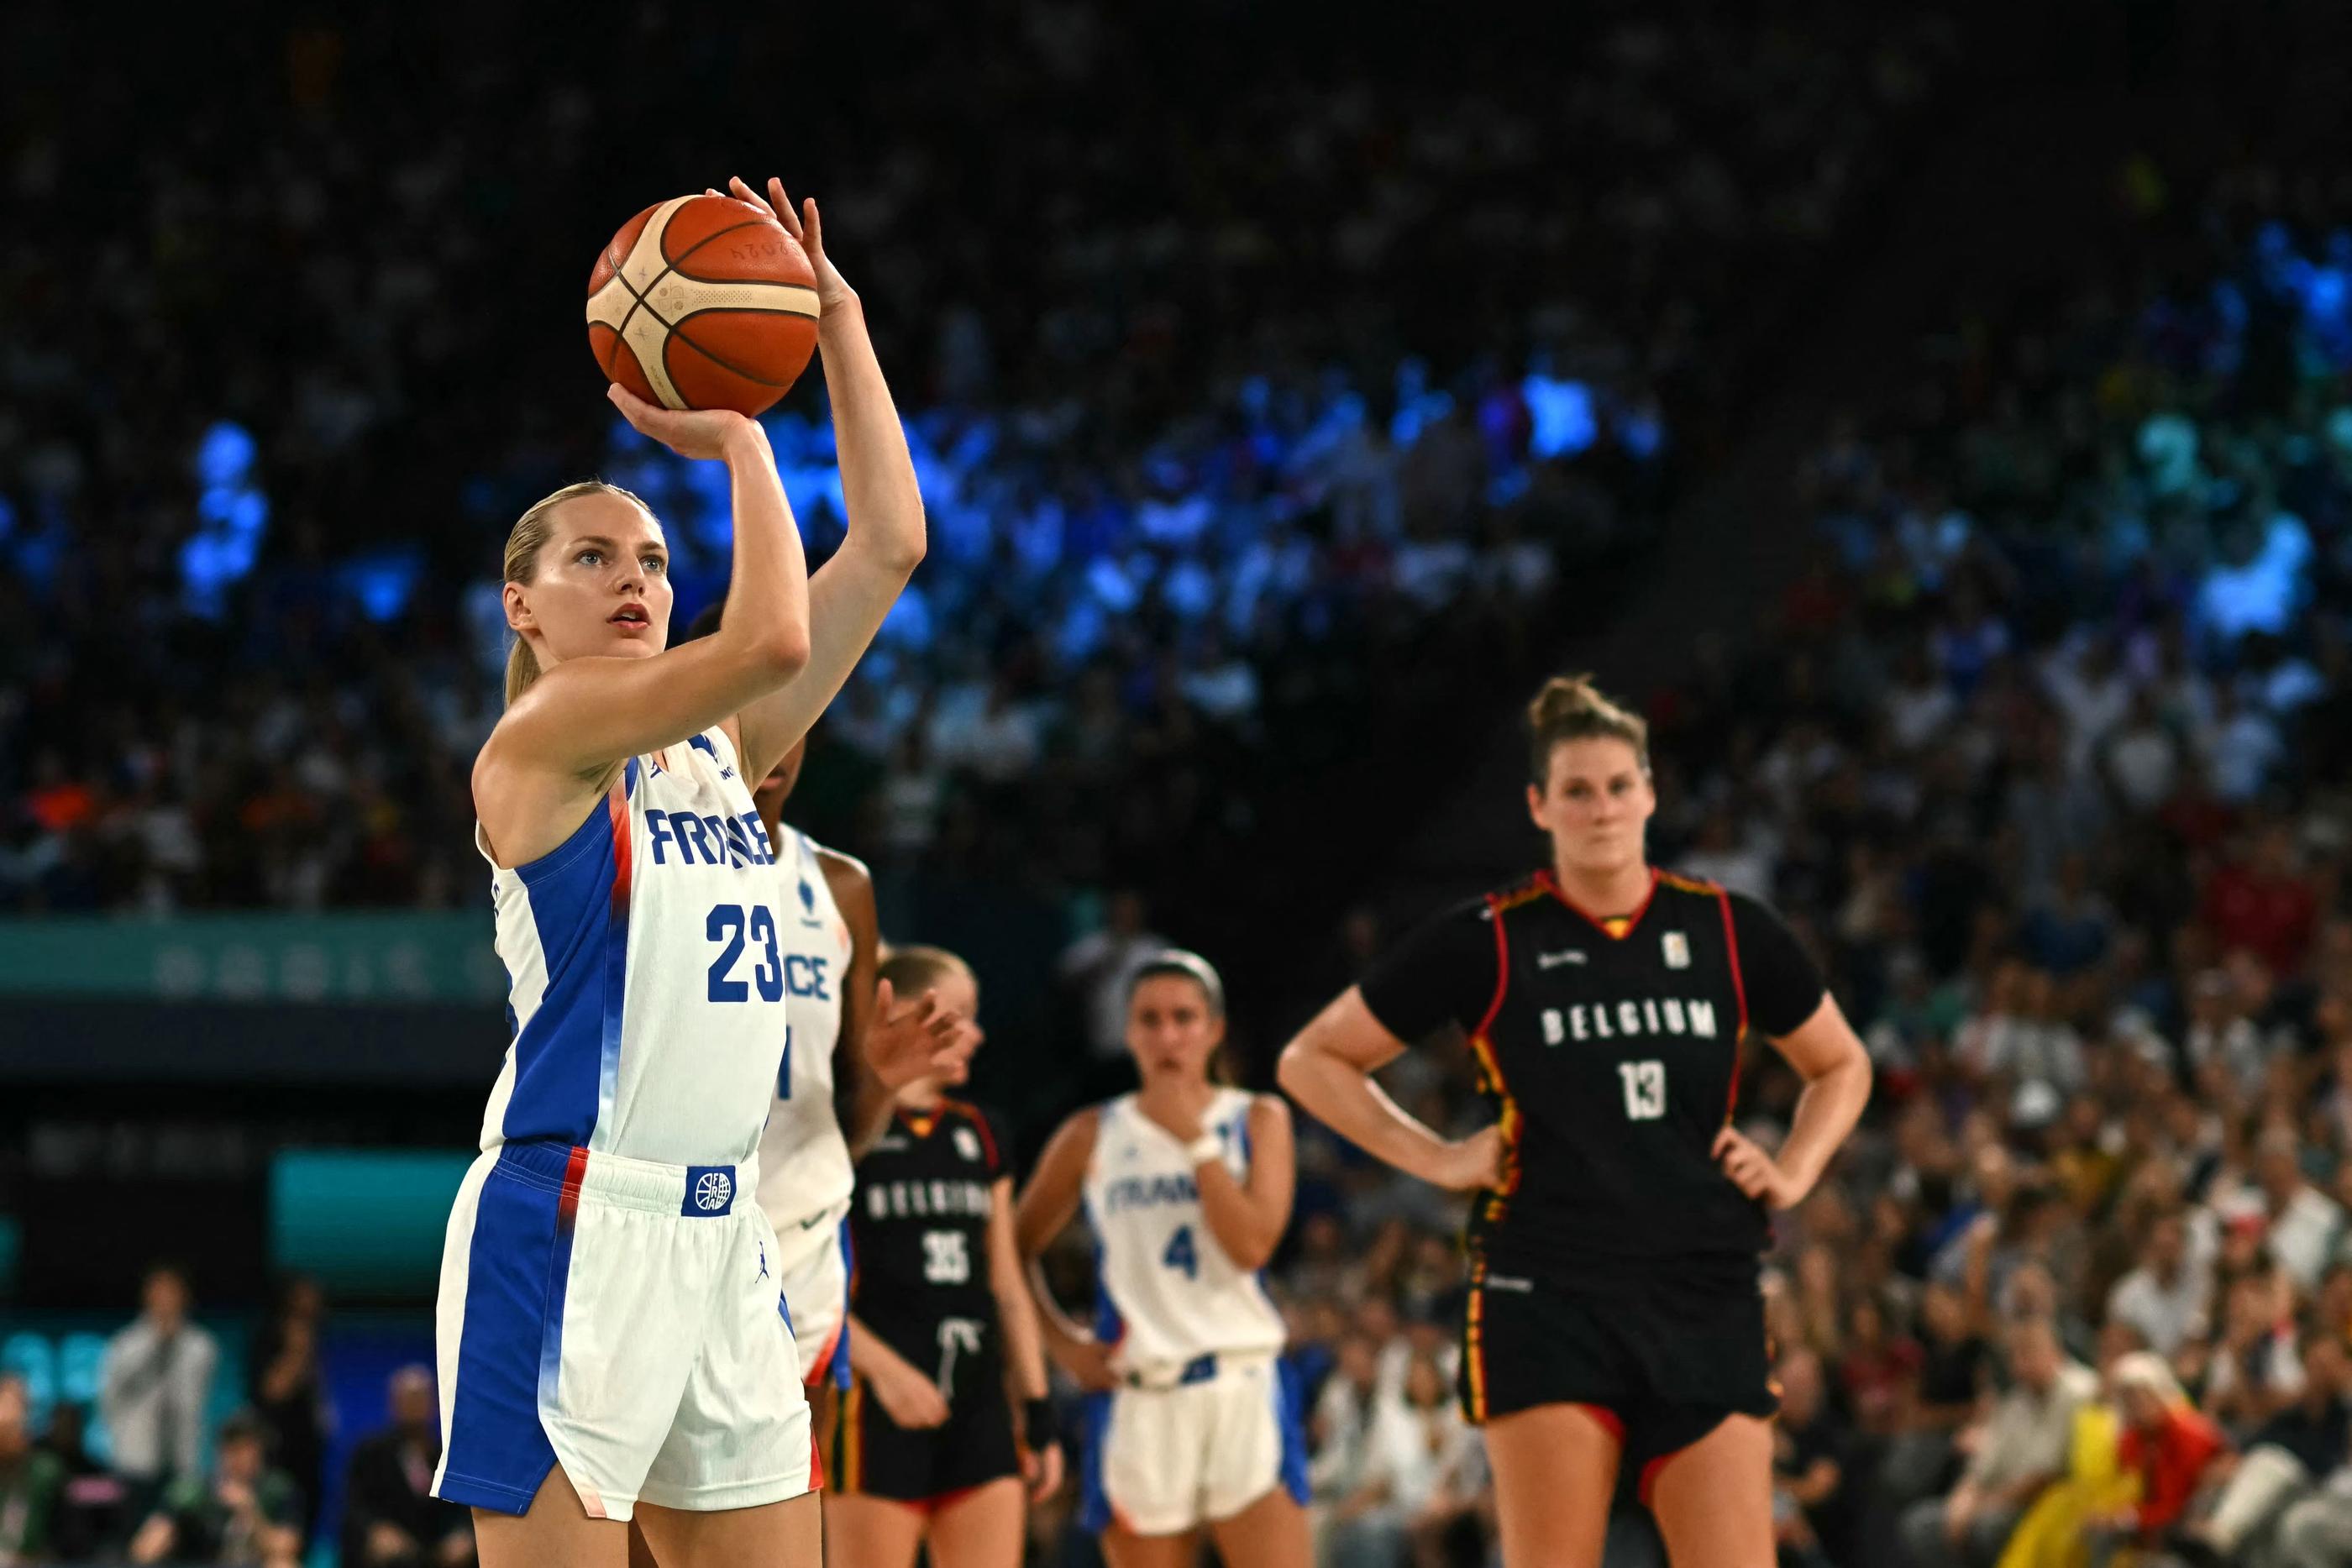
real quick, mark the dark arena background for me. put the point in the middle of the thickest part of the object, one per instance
(1936, 422)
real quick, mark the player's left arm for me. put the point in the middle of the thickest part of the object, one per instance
(1788, 1004)
(1024, 1347)
(851, 593)
(1248, 1220)
(864, 1104)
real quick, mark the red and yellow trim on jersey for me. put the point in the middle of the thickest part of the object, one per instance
(1739, 990)
(1616, 927)
(849, 1438)
(1490, 1066)
(1473, 1343)
(1682, 883)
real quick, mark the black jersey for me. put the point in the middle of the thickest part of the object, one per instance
(1610, 1050)
(918, 1232)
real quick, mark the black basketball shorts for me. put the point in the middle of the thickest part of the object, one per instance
(1659, 1360)
(926, 1468)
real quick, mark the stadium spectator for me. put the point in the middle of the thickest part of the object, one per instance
(2166, 1446)
(1813, 1461)
(244, 1513)
(1421, 1475)
(1097, 966)
(391, 1519)
(2020, 1448)
(154, 1385)
(2253, 1372)
(2166, 1297)
(1345, 1512)
(2287, 1459)
(287, 1390)
(31, 1482)
(94, 1507)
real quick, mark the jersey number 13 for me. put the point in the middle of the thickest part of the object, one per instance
(1646, 1090)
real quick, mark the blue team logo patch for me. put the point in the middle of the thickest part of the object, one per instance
(710, 1191)
(808, 897)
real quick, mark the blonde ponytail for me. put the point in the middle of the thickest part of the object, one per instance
(531, 531)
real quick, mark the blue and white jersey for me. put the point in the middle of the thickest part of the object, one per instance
(805, 1175)
(1166, 1292)
(646, 953)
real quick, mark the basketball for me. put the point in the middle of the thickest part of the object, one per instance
(703, 302)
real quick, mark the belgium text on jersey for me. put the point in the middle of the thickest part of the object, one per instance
(889, 1200)
(1629, 1019)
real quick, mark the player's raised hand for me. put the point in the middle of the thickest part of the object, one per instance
(688, 431)
(916, 1040)
(803, 224)
(1753, 1171)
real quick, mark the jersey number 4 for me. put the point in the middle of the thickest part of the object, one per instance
(1180, 1255)
(726, 923)
(1646, 1090)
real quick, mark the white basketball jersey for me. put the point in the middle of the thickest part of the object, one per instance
(1165, 1291)
(647, 958)
(805, 1170)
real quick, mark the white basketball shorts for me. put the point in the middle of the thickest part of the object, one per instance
(620, 1319)
(816, 1301)
(1162, 1460)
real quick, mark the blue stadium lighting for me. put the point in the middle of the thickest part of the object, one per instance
(232, 516)
(1566, 422)
(383, 582)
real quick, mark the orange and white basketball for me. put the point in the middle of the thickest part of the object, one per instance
(703, 302)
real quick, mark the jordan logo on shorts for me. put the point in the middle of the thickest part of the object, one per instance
(710, 1191)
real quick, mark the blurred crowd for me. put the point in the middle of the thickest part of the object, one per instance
(152, 1480)
(1391, 342)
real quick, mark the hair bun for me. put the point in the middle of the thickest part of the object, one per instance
(1571, 707)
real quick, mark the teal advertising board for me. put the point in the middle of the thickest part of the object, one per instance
(308, 958)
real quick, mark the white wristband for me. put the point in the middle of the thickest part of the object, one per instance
(1204, 1149)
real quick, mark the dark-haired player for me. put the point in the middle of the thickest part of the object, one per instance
(1613, 1315)
(944, 1343)
(1186, 1185)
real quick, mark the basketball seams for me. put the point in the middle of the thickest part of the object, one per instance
(678, 335)
(645, 330)
(648, 248)
(677, 262)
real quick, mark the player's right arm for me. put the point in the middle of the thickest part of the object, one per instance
(1445, 973)
(912, 1399)
(1328, 1068)
(1048, 1205)
(558, 744)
